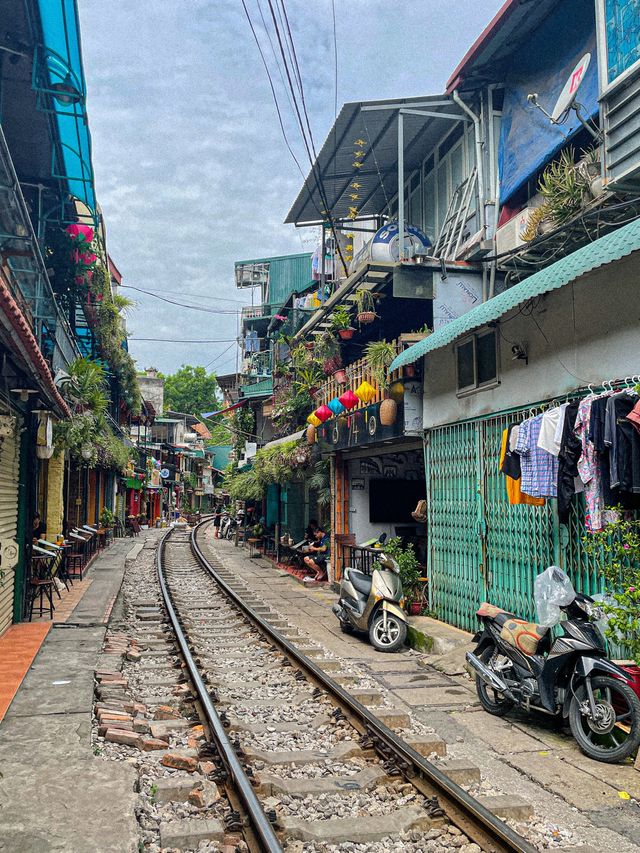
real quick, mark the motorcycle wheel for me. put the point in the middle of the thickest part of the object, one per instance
(616, 735)
(391, 639)
(492, 701)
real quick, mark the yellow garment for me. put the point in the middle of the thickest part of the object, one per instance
(514, 494)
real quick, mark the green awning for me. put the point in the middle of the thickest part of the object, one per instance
(263, 388)
(611, 247)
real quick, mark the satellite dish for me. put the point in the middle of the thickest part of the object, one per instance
(569, 92)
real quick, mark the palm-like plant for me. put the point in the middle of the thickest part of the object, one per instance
(87, 386)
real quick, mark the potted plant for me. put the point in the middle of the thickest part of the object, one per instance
(410, 571)
(563, 187)
(329, 351)
(539, 222)
(590, 166)
(617, 551)
(379, 355)
(341, 323)
(365, 306)
(107, 518)
(309, 377)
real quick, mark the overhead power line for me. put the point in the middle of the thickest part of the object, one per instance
(186, 340)
(201, 308)
(194, 295)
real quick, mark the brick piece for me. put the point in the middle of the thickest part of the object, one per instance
(207, 767)
(150, 743)
(179, 762)
(134, 655)
(122, 736)
(204, 794)
(166, 712)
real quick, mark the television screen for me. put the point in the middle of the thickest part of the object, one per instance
(394, 500)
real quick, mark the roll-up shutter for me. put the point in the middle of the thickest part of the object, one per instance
(8, 524)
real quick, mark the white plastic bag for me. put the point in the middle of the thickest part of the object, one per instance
(552, 589)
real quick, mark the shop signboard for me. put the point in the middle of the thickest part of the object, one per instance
(412, 408)
(458, 293)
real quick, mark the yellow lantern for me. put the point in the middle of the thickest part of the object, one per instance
(314, 420)
(365, 392)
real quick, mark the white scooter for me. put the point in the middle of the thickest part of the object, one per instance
(373, 603)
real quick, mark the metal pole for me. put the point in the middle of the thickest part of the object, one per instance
(323, 276)
(400, 186)
(477, 129)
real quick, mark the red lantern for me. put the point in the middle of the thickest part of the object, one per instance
(348, 399)
(323, 413)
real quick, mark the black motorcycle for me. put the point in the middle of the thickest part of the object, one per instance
(564, 672)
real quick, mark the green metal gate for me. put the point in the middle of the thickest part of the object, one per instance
(479, 546)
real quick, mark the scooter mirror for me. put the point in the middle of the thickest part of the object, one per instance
(388, 562)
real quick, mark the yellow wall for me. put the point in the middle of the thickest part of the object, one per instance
(55, 496)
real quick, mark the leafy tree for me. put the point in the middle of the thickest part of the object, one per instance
(191, 390)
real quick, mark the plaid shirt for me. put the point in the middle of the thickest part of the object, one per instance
(539, 467)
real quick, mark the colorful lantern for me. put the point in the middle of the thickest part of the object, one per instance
(80, 233)
(311, 434)
(348, 399)
(313, 420)
(323, 413)
(365, 392)
(336, 406)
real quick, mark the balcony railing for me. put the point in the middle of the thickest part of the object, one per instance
(357, 372)
(253, 312)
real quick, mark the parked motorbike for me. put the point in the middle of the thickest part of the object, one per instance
(373, 603)
(564, 673)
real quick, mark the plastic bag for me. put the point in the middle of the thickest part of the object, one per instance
(552, 589)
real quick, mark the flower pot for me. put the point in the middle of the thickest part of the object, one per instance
(340, 376)
(414, 608)
(388, 412)
(366, 317)
(409, 371)
(313, 391)
(634, 675)
(545, 225)
(309, 346)
(596, 187)
(345, 334)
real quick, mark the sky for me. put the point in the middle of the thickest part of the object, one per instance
(192, 172)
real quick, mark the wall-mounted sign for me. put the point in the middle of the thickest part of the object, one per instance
(357, 484)
(164, 473)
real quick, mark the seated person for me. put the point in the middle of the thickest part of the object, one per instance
(38, 528)
(316, 561)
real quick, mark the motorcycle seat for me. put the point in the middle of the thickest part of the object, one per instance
(522, 635)
(360, 581)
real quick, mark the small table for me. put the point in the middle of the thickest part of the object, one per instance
(254, 549)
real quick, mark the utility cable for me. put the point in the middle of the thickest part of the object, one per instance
(202, 308)
(194, 295)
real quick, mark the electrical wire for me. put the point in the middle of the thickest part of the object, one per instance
(187, 340)
(218, 357)
(195, 295)
(201, 308)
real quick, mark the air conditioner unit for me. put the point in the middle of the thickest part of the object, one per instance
(509, 236)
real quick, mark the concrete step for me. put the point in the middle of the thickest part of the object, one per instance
(367, 828)
(369, 777)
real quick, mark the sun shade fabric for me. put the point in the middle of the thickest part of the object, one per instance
(336, 406)
(605, 250)
(365, 392)
(348, 399)
(61, 34)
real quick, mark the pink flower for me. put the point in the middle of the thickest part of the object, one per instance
(626, 547)
(631, 589)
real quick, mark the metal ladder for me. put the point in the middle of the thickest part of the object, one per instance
(450, 235)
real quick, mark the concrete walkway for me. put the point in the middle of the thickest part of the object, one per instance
(54, 793)
(523, 755)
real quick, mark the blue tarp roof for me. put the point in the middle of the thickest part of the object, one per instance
(62, 57)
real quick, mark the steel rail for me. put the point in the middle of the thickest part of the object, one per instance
(260, 823)
(461, 808)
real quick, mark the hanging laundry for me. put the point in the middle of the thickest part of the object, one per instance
(510, 467)
(252, 342)
(597, 516)
(569, 481)
(634, 416)
(539, 467)
(619, 437)
(551, 429)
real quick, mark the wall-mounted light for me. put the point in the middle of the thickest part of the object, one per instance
(23, 393)
(519, 353)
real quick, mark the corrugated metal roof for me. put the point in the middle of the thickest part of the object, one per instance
(611, 247)
(366, 133)
(258, 389)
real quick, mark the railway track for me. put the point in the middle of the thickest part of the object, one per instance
(306, 765)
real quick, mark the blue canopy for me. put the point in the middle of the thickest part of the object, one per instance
(61, 61)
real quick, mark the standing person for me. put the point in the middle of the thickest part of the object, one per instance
(318, 556)
(217, 516)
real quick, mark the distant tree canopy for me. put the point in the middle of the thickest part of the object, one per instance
(192, 390)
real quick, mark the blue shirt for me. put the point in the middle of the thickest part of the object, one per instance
(539, 467)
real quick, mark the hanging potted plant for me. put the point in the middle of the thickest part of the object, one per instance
(341, 323)
(365, 306)
(329, 350)
(309, 378)
(379, 355)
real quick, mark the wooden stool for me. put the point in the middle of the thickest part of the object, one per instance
(254, 550)
(42, 588)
